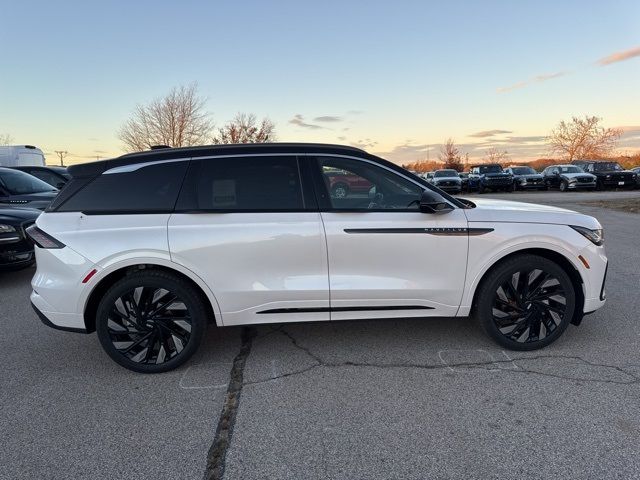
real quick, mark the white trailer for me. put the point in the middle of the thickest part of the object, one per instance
(21, 155)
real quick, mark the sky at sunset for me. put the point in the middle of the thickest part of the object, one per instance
(394, 77)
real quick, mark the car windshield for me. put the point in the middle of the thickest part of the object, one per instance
(523, 171)
(490, 169)
(570, 169)
(446, 173)
(606, 166)
(21, 183)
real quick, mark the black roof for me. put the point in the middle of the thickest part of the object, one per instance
(95, 168)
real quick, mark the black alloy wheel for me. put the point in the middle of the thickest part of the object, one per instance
(526, 302)
(151, 321)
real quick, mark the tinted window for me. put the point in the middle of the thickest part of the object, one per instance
(359, 185)
(243, 184)
(21, 183)
(522, 170)
(49, 177)
(149, 189)
(490, 169)
(445, 173)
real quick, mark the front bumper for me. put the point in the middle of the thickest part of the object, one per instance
(581, 186)
(16, 253)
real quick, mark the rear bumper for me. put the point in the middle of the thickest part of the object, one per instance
(69, 322)
(44, 319)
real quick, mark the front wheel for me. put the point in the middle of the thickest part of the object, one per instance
(526, 302)
(151, 321)
(564, 186)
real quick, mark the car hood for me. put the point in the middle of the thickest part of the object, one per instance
(578, 175)
(18, 215)
(496, 174)
(528, 176)
(488, 210)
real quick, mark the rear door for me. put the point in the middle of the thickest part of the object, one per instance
(386, 258)
(250, 228)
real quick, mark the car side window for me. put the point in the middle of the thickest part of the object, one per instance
(241, 184)
(147, 189)
(45, 176)
(360, 185)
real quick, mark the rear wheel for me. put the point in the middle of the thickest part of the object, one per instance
(526, 302)
(151, 321)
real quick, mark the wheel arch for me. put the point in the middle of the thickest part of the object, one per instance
(107, 279)
(554, 256)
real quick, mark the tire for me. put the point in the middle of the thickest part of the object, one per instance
(537, 319)
(599, 185)
(340, 190)
(480, 188)
(176, 336)
(564, 186)
(511, 188)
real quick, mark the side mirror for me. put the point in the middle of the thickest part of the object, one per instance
(60, 185)
(432, 202)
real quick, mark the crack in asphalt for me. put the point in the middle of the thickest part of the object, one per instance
(224, 430)
(319, 362)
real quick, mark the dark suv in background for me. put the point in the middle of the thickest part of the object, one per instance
(490, 176)
(608, 174)
(525, 178)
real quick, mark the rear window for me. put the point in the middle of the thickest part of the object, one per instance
(149, 189)
(242, 184)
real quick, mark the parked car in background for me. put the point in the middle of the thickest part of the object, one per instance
(342, 184)
(447, 180)
(150, 248)
(490, 176)
(608, 174)
(21, 189)
(526, 178)
(636, 170)
(16, 249)
(428, 176)
(464, 180)
(17, 155)
(568, 177)
(55, 176)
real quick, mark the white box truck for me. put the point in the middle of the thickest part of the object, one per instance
(20, 155)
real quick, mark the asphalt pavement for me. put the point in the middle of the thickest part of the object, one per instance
(377, 399)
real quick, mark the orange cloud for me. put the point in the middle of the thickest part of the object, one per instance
(619, 56)
(536, 79)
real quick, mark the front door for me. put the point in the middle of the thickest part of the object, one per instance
(386, 258)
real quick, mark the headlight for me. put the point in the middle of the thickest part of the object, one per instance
(595, 236)
(6, 228)
(573, 180)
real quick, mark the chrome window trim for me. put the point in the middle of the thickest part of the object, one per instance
(137, 166)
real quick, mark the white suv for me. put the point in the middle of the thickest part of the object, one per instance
(148, 248)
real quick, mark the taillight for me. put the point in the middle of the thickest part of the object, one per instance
(41, 239)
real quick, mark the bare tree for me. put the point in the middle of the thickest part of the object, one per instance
(451, 155)
(5, 139)
(583, 138)
(244, 128)
(493, 155)
(178, 119)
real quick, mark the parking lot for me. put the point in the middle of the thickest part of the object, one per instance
(381, 399)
